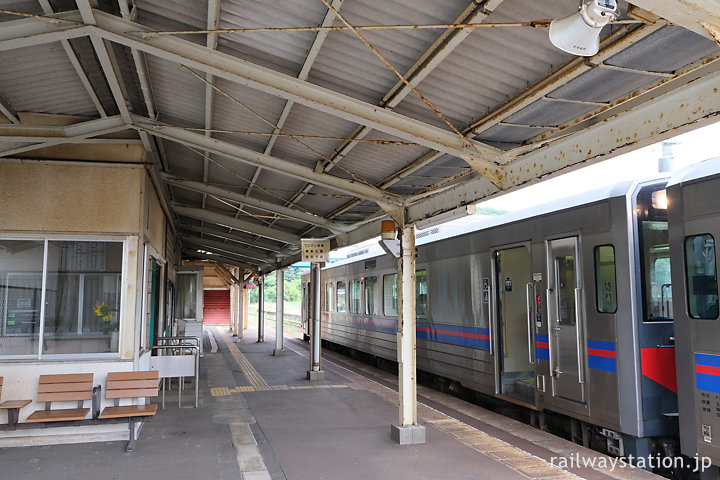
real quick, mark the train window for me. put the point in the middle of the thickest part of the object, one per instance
(701, 277)
(390, 295)
(340, 296)
(329, 296)
(370, 293)
(654, 252)
(354, 297)
(605, 283)
(421, 293)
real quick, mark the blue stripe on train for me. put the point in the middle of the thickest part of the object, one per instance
(541, 353)
(709, 360)
(450, 334)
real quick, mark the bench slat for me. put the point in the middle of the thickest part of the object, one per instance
(64, 396)
(128, 384)
(129, 411)
(66, 378)
(64, 387)
(58, 415)
(132, 393)
(144, 375)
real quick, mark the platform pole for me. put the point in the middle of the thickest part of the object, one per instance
(315, 372)
(241, 292)
(279, 312)
(261, 309)
(407, 431)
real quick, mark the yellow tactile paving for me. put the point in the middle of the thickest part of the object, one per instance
(225, 391)
(248, 370)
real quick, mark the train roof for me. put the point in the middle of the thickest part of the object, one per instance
(476, 223)
(706, 168)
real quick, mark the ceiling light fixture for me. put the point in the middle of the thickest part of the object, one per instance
(579, 33)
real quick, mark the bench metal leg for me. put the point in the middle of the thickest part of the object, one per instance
(13, 417)
(131, 443)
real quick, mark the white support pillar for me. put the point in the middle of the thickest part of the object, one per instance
(240, 307)
(261, 309)
(279, 312)
(407, 431)
(315, 372)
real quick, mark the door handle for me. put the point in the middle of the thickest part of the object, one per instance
(580, 335)
(529, 306)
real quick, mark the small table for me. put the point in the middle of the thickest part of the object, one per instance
(13, 410)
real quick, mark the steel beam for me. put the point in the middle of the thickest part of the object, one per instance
(228, 221)
(253, 202)
(51, 136)
(245, 155)
(222, 252)
(319, 98)
(303, 75)
(228, 247)
(8, 111)
(677, 109)
(39, 31)
(691, 14)
(242, 239)
(188, 253)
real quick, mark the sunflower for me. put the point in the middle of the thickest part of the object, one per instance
(104, 311)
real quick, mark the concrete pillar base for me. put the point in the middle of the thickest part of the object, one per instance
(407, 434)
(281, 352)
(315, 375)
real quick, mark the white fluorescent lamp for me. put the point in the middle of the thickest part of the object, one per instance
(454, 214)
(579, 33)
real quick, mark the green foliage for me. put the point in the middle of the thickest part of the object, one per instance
(293, 287)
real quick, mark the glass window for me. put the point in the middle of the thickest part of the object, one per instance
(652, 229)
(390, 295)
(701, 277)
(21, 267)
(370, 293)
(657, 291)
(605, 282)
(329, 296)
(340, 296)
(421, 293)
(354, 296)
(82, 300)
(82, 296)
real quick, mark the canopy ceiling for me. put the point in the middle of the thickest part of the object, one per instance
(264, 122)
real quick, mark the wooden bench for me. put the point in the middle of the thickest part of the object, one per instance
(131, 385)
(63, 388)
(13, 408)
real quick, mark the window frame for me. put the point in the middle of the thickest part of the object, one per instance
(417, 293)
(394, 296)
(46, 239)
(687, 277)
(365, 296)
(351, 300)
(596, 257)
(342, 305)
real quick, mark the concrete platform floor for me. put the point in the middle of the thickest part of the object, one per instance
(260, 418)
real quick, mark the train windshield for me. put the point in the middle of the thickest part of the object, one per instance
(654, 254)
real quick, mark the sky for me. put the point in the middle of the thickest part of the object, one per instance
(688, 148)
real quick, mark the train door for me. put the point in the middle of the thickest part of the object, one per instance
(513, 319)
(564, 319)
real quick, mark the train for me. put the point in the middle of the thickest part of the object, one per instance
(600, 308)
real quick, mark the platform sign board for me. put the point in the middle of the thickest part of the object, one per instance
(315, 250)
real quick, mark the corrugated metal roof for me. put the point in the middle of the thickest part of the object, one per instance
(500, 81)
(41, 79)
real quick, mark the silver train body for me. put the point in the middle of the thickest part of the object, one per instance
(694, 216)
(565, 308)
